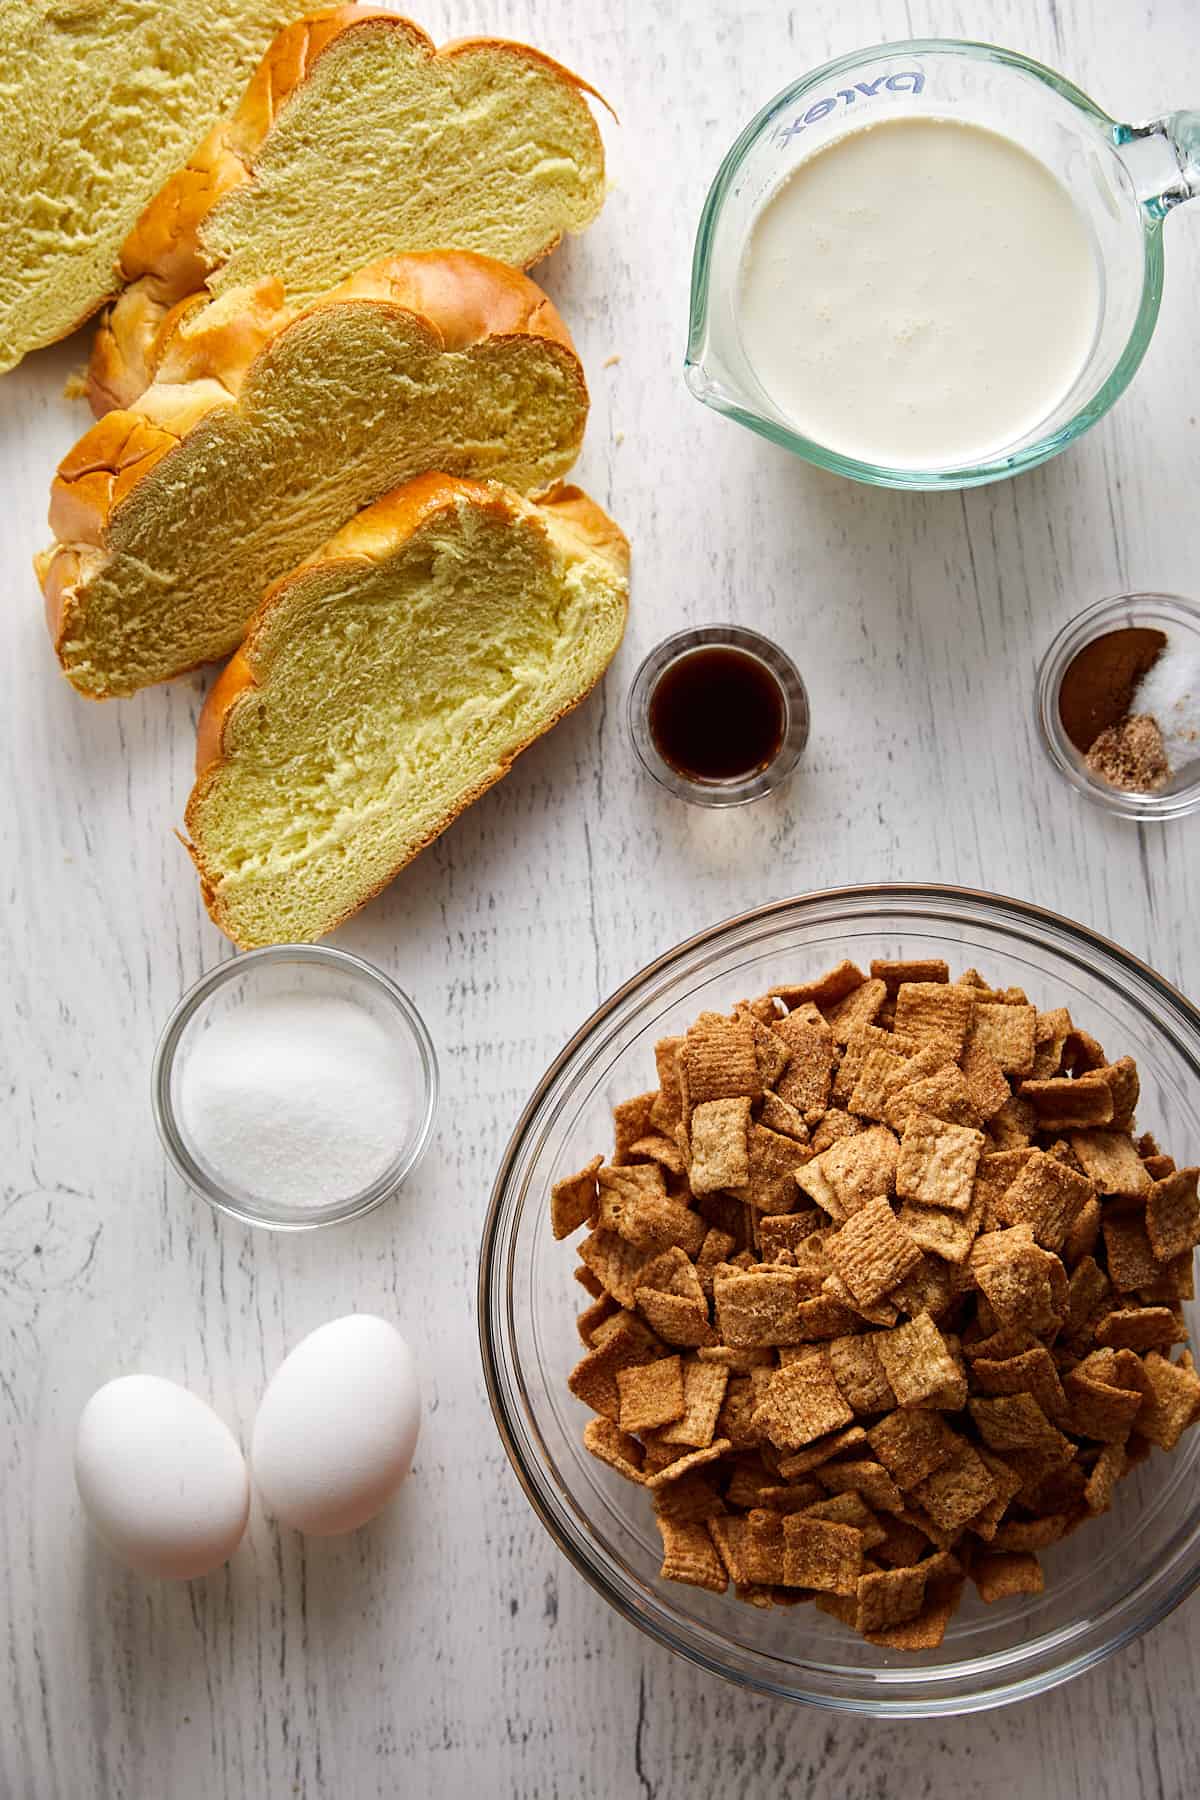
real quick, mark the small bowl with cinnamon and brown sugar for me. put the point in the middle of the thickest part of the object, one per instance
(1118, 705)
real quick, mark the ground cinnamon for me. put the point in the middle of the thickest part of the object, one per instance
(1099, 683)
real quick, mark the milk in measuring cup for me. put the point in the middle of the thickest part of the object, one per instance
(919, 293)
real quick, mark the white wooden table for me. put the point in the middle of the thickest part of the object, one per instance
(448, 1649)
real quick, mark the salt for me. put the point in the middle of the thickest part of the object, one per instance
(1170, 692)
(298, 1098)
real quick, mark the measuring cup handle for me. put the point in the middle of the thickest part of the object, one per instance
(1163, 158)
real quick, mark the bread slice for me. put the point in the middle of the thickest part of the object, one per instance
(100, 100)
(268, 428)
(386, 684)
(355, 140)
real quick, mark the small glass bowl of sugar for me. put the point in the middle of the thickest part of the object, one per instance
(295, 1087)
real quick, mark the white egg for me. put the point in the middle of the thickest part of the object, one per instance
(161, 1478)
(337, 1426)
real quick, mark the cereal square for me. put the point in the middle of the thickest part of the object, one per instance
(1132, 1263)
(1140, 1328)
(678, 1319)
(1107, 1470)
(695, 1459)
(1060, 1103)
(609, 1444)
(986, 1083)
(1111, 1163)
(856, 1170)
(719, 1061)
(932, 1287)
(881, 1071)
(759, 1307)
(953, 1495)
(872, 1252)
(1046, 1196)
(876, 1312)
(651, 1394)
(859, 1373)
(913, 1445)
(1171, 1401)
(802, 1402)
(1017, 1422)
(614, 1263)
(631, 1120)
(773, 1159)
(730, 1536)
(937, 1163)
(693, 1498)
(941, 1231)
(763, 1551)
(573, 1200)
(1032, 1372)
(1083, 1234)
(1100, 1406)
(1124, 1086)
(1007, 1034)
(894, 973)
(859, 1475)
(942, 1094)
(592, 1316)
(825, 991)
(1013, 1127)
(902, 1546)
(772, 1053)
(888, 1597)
(704, 1387)
(593, 1379)
(818, 1553)
(806, 1081)
(672, 1272)
(1051, 1031)
(835, 1443)
(1173, 1215)
(690, 1555)
(846, 1508)
(627, 1197)
(859, 1045)
(859, 1008)
(918, 1363)
(787, 1231)
(720, 1155)
(1002, 1575)
(668, 1108)
(655, 1147)
(779, 1116)
(935, 1012)
(833, 1125)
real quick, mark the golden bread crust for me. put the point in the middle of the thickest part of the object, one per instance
(163, 259)
(459, 298)
(374, 534)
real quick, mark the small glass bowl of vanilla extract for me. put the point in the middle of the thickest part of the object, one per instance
(718, 715)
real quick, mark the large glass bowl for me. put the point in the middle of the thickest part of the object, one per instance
(1106, 1584)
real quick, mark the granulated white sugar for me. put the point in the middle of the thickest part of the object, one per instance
(1170, 692)
(299, 1098)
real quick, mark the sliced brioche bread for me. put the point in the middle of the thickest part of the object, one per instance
(100, 100)
(268, 428)
(386, 684)
(356, 140)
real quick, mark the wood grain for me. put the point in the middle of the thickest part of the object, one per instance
(448, 1648)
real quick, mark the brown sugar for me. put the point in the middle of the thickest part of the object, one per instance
(1098, 685)
(1130, 755)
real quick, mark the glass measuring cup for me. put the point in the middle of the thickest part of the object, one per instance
(1123, 178)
